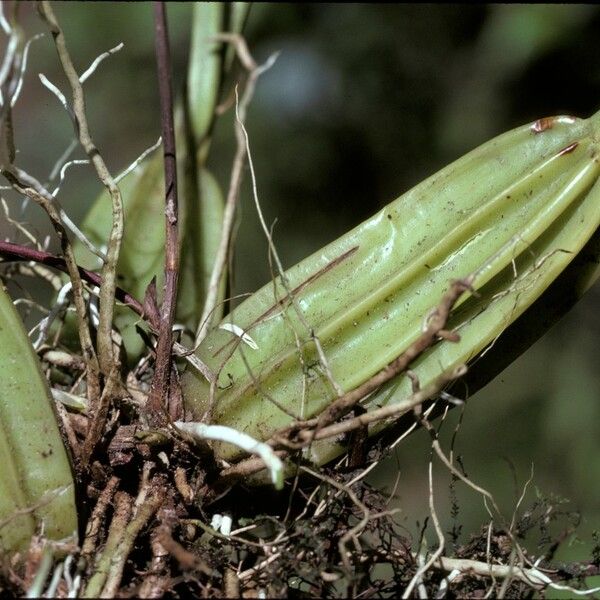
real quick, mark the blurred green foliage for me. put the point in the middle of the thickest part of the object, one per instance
(363, 102)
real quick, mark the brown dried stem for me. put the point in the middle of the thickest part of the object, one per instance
(99, 415)
(386, 412)
(129, 519)
(107, 357)
(235, 182)
(354, 532)
(122, 513)
(159, 391)
(186, 559)
(94, 524)
(141, 518)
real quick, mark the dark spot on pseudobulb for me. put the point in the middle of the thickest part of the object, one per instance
(568, 149)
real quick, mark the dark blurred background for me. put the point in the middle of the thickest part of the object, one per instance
(363, 102)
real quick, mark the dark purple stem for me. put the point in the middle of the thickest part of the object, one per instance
(159, 390)
(17, 252)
